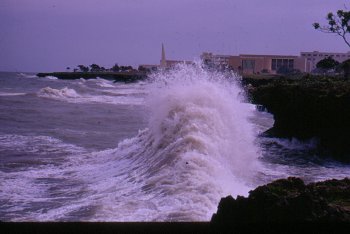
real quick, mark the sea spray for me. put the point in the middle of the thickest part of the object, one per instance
(198, 147)
(207, 111)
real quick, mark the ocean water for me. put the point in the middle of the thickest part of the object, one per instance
(166, 149)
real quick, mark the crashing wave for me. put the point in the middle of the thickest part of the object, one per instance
(58, 94)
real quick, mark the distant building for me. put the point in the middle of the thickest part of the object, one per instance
(164, 63)
(149, 67)
(253, 63)
(314, 57)
(215, 59)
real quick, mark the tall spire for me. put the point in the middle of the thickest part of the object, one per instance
(163, 60)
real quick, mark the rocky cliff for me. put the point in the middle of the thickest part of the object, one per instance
(287, 201)
(309, 108)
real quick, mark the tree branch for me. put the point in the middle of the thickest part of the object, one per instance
(338, 24)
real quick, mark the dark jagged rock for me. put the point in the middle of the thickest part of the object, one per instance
(309, 108)
(287, 201)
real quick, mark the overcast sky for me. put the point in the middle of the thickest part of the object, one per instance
(49, 35)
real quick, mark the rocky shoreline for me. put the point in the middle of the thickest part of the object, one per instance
(287, 201)
(308, 108)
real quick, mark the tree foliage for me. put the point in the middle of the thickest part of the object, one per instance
(143, 69)
(115, 68)
(327, 63)
(83, 68)
(346, 68)
(338, 24)
(95, 68)
(126, 68)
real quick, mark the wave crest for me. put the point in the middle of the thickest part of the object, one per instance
(59, 94)
(198, 147)
(204, 111)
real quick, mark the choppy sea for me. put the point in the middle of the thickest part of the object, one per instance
(165, 149)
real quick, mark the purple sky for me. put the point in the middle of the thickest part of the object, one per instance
(49, 35)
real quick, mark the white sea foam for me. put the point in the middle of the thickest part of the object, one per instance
(70, 95)
(34, 180)
(294, 143)
(59, 94)
(35, 144)
(126, 92)
(4, 94)
(51, 77)
(26, 75)
(116, 89)
(104, 83)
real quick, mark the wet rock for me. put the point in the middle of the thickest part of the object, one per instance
(287, 201)
(309, 108)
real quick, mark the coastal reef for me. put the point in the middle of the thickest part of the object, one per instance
(287, 201)
(311, 107)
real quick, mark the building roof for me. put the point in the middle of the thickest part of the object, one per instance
(267, 55)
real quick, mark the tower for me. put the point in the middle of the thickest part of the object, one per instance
(163, 60)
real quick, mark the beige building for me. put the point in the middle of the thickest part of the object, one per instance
(215, 59)
(254, 64)
(314, 57)
(251, 63)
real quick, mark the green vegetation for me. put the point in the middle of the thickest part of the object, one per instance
(345, 66)
(327, 64)
(116, 73)
(97, 68)
(83, 68)
(115, 68)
